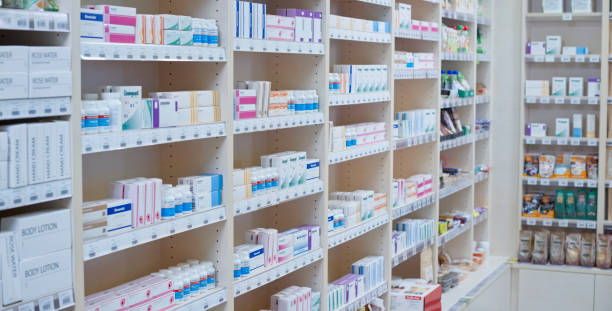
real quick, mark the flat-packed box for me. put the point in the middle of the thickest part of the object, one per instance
(39, 233)
(553, 45)
(14, 59)
(559, 86)
(118, 15)
(552, 6)
(537, 88)
(593, 87)
(49, 58)
(116, 212)
(416, 297)
(576, 86)
(50, 84)
(562, 127)
(10, 271)
(17, 154)
(54, 270)
(13, 85)
(536, 130)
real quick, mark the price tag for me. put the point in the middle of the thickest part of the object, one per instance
(580, 58)
(594, 58)
(46, 304)
(546, 141)
(547, 222)
(532, 181)
(562, 141)
(567, 17)
(65, 299)
(593, 101)
(592, 142)
(544, 182)
(538, 59)
(26, 307)
(575, 141)
(531, 222)
(565, 58)
(563, 183)
(544, 100)
(575, 100)
(564, 223)
(559, 100)
(530, 140)
(592, 184)
(579, 183)
(592, 225)
(550, 58)
(581, 224)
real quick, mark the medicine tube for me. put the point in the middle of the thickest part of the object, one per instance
(236, 266)
(168, 209)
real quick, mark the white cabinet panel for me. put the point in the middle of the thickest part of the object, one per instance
(603, 288)
(559, 291)
(496, 297)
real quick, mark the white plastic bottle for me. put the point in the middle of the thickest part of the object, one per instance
(315, 100)
(245, 269)
(168, 208)
(301, 102)
(194, 276)
(177, 284)
(91, 117)
(211, 275)
(83, 129)
(186, 284)
(178, 202)
(104, 123)
(203, 277)
(236, 266)
(187, 198)
(291, 103)
(213, 33)
(114, 105)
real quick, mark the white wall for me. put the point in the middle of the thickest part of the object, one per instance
(505, 127)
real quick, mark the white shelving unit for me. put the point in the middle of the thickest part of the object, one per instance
(221, 147)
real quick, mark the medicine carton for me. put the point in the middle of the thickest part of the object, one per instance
(10, 270)
(13, 85)
(54, 270)
(117, 15)
(14, 59)
(559, 86)
(553, 45)
(576, 86)
(593, 87)
(562, 127)
(116, 212)
(552, 6)
(49, 58)
(17, 154)
(577, 125)
(590, 131)
(50, 84)
(41, 232)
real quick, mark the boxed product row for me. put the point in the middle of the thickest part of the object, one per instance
(559, 248)
(294, 298)
(254, 99)
(414, 123)
(353, 79)
(562, 127)
(268, 247)
(456, 39)
(451, 126)
(465, 6)
(554, 46)
(452, 220)
(357, 24)
(415, 295)
(31, 5)
(34, 153)
(409, 232)
(455, 85)
(252, 22)
(159, 290)
(347, 209)
(411, 189)
(562, 165)
(482, 126)
(278, 171)
(122, 108)
(116, 24)
(452, 176)
(403, 20)
(576, 6)
(356, 135)
(35, 72)
(563, 204)
(141, 202)
(563, 86)
(408, 62)
(35, 255)
(366, 274)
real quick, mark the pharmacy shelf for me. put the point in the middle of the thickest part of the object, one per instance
(609, 142)
(482, 135)
(592, 58)
(358, 152)
(277, 197)
(103, 246)
(607, 225)
(560, 100)
(453, 233)
(561, 182)
(483, 99)
(456, 142)
(277, 123)
(385, 3)
(362, 36)
(269, 274)
(204, 301)
(364, 299)
(358, 99)
(140, 138)
(408, 208)
(485, 58)
(481, 218)
(559, 223)
(417, 35)
(459, 57)
(562, 141)
(567, 17)
(13, 109)
(416, 74)
(150, 52)
(459, 16)
(480, 177)
(461, 296)
(273, 46)
(34, 194)
(61, 300)
(12, 19)
(407, 142)
(482, 20)
(562, 268)
(456, 102)
(459, 185)
(336, 238)
(408, 253)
